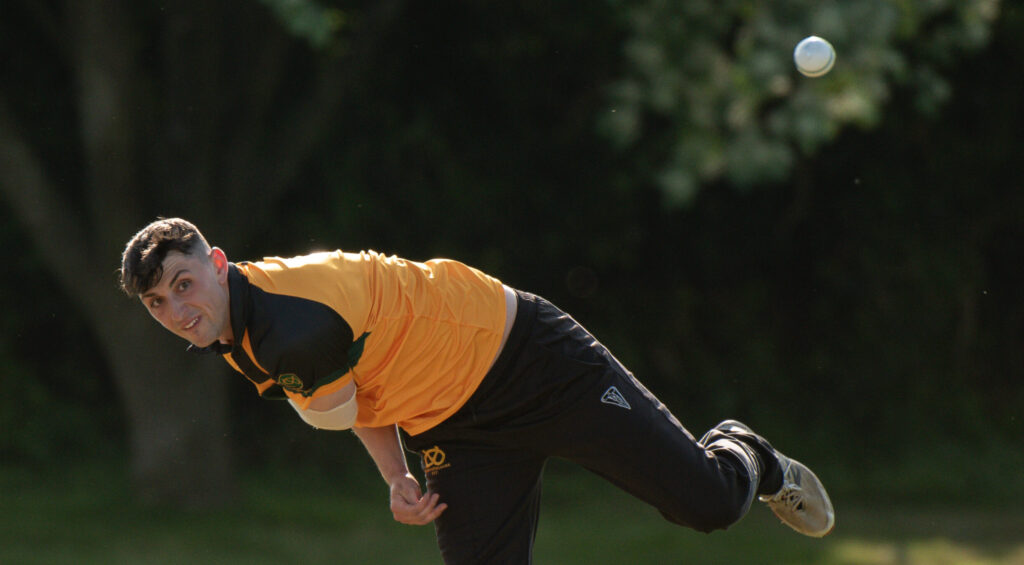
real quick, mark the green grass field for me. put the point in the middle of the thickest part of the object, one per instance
(88, 516)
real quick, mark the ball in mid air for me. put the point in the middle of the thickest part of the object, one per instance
(814, 57)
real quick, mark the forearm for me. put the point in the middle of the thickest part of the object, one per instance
(408, 505)
(385, 448)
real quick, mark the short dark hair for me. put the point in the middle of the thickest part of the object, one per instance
(143, 258)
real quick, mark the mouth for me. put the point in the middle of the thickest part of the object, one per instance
(191, 324)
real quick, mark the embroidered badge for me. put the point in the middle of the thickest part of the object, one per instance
(290, 381)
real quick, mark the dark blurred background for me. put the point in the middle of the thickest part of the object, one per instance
(830, 260)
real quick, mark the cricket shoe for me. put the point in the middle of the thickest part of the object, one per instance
(801, 503)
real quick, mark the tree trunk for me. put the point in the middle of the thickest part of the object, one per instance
(174, 118)
(176, 405)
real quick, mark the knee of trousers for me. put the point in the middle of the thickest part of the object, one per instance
(710, 516)
(715, 501)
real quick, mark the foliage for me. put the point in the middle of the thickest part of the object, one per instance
(845, 300)
(56, 403)
(711, 90)
(861, 300)
(309, 19)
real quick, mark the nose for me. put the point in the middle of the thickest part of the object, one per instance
(177, 311)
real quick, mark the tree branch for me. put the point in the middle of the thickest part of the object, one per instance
(105, 68)
(47, 216)
(260, 84)
(46, 19)
(269, 167)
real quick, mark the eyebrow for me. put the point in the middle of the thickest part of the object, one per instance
(171, 283)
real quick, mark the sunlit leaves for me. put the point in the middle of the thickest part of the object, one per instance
(713, 84)
(311, 20)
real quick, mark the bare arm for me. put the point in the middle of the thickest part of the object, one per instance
(408, 505)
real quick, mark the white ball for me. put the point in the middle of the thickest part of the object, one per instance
(814, 56)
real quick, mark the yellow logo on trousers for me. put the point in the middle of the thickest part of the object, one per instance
(434, 459)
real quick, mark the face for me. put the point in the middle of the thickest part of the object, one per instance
(191, 298)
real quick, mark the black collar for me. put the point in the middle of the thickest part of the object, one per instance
(215, 347)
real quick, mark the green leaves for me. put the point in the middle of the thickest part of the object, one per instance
(712, 84)
(309, 20)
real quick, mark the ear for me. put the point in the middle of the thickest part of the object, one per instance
(220, 263)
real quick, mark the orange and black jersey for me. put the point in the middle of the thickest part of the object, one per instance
(415, 338)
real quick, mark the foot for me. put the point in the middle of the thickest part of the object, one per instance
(802, 502)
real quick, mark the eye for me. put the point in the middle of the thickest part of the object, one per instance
(184, 285)
(155, 303)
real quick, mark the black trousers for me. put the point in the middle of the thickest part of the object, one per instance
(555, 391)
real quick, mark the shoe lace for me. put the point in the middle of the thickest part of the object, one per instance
(791, 496)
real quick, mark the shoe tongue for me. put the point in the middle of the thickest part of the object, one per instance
(772, 482)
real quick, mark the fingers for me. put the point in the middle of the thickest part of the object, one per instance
(417, 511)
(409, 506)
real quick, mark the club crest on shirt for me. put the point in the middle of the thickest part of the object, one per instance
(290, 381)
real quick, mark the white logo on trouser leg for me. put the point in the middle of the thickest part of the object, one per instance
(614, 397)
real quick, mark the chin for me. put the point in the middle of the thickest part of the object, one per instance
(200, 342)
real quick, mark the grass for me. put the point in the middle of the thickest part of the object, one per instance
(86, 515)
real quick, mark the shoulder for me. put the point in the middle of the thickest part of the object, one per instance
(298, 336)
